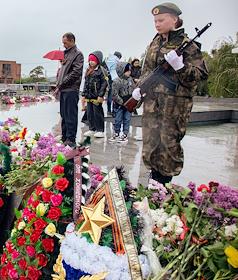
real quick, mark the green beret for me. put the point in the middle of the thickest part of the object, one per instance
(165, 8)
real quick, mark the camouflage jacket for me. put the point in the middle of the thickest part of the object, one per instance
(187, 77)
(122, 86)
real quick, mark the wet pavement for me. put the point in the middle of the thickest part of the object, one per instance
(211, 152)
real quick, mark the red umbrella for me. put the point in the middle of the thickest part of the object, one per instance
(55, 55)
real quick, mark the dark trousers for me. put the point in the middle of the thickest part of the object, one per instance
(69, 114)
(95, 117)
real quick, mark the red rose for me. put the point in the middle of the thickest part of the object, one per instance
(22, 278)
(22, 264)
(1, 202)
(30, 251)
(21, 241)
(33, 273)
(35, 236)
(40, 224)
(46, 195)
(56, 199)
(42, 260)
(54, 213)
(61, 184)
(204, 188)
(48, 244)
(57, 169)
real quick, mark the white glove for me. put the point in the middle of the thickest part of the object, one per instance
(136, 94)
(174, 60)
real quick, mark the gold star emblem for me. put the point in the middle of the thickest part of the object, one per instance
(95, 220)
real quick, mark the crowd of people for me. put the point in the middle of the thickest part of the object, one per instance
(167, 103)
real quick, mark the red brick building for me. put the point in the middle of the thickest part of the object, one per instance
(10, 71)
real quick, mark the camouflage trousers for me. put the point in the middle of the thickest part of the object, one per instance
(164, 122)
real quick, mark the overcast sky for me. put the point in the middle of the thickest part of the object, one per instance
(30, 28)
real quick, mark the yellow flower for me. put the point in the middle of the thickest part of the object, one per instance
(21, 225)
(40, 209)
(50, 229)
(13, 232)
(47, 182)
(232, 255)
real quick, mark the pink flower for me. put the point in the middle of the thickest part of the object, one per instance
(56, 199)
(31, 251)
(13, 273)
(15, 254)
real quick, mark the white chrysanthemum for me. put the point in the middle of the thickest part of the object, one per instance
(231, 231)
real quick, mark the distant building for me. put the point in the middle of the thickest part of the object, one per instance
(10, 71)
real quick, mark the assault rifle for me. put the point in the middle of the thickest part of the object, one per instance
(158, 75)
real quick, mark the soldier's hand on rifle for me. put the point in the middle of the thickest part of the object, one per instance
(136, 94)
(174, 60)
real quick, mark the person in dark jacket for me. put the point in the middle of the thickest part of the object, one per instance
(135, 70)
(93, 93)
(122, 88)
(68, 83)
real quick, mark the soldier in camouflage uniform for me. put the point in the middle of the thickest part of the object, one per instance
(166, 112)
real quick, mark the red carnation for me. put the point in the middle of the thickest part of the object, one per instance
(13, 273)
(33, 273)
(22, 264)
(48, 244)
(9, 247)
(58, 170)
(31, 251)
(40, 224)
(46, 195)
(42, 260)
(1, 202)
(35, 203)
(3, 259)
(39, 190)
(21, 241)
(35, 236)
(54, 213)
(61, 184)
(204, 188)
(22, 278)
(4, 273)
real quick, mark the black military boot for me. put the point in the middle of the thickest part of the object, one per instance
(157, 176)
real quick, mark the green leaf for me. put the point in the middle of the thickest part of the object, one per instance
(212, 266)
(123, 184)
(185, 192)
(18, 213)
(61, 160)
(128, 205)
(233, 212)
